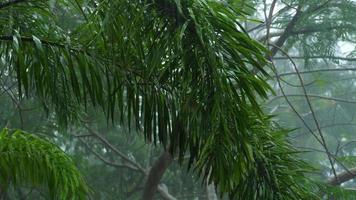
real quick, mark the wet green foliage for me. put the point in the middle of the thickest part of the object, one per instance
(27, 160)
(183, 73)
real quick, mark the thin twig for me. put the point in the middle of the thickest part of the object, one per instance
(350, 173)
(268, 18)
(317, 71)
(315, 57)
(312, 96)
(105, 160)
(118, 152)
(162, 189)
(285, 96)
(323, 142)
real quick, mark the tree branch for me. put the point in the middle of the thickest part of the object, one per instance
(316, 57)
(322, 138)
(286, 33)
(156, 174)
(105, 160)
(317, 70)
(118, 152)
(262, 25)
(268, 18)
(343, 177)
(313, 96)
(161, 188)
(290, 103)
(347, 175)
(307, 30)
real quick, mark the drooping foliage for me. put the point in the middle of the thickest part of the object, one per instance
(27, 160)
(184, 72)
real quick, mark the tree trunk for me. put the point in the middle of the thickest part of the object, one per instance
(155, 175)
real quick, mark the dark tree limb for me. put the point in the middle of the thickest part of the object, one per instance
(287, 32)
(343, 177)
(340, 178)
(290, 28)
(155, 175)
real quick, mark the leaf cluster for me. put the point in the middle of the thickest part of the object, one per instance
(184, 72)
(27, 160)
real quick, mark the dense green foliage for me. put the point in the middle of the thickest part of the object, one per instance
(27, 160)
(185, 71)
(186, 76)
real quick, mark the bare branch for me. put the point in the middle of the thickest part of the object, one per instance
(307, 30)
(162, 189)
(312, 96)
(118, 152)
(322, 139)
(268, 18)
(316, 57)
(105, 160)
(316, 71)
(343, 177)
(262, 25)
(287, 31)
(290, 103)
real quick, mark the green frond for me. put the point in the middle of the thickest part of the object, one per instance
(27, 160)
(278, 172)
(184, 72)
